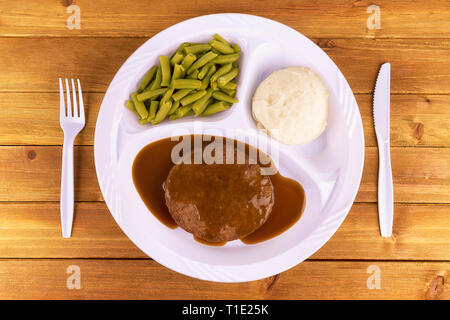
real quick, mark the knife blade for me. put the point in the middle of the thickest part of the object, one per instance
(381, 116)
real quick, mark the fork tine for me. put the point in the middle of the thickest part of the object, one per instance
(74, 95)
(69, 104)
(62, 106)
(80, 99)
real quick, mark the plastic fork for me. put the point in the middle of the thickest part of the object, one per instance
(72, 120)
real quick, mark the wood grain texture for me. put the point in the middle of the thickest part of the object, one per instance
(93, 60)
(32, 230)
(419, 175)
(145, 279)
(405, 19)
(416, 120)
(36, 48)
(33, 119)
(416, 64)
(32, 173)
(420, 232)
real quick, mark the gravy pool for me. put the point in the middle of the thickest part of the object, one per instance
(151, 168)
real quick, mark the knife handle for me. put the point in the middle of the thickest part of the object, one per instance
(385, 190)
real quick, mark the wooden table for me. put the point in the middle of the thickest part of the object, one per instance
(36, 48)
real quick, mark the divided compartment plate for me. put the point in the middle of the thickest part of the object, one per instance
(329, 168)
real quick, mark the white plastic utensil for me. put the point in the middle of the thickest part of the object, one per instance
(71, 121)
(381, 115)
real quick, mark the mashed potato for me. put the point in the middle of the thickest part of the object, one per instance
(292, 105)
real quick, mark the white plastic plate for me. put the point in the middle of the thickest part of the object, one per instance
(329, 168)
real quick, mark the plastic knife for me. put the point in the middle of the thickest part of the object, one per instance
(381, 115)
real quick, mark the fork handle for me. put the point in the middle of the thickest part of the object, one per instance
(67, 186)
(385, 191)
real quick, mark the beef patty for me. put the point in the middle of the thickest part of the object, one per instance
(219, 202)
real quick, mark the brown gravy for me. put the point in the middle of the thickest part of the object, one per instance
(151, 168)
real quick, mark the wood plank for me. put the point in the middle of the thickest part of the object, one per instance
(416, 120)
(414, 68)
(32, 173)
(32, 230)
(420, 175)
(145, 279)
(33, 119)
(420, 232)
(43, 60)
(417, 65)
(344, 18)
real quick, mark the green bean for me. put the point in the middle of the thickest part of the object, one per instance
(197, 48)
(197, 79)
(227, 58)
(176, 116)
(178, 71)
(165, 71)
(174, 107)
(153, 108)
(140, 106)
(223, 80)
(229, 86)
(182, 112)
(206, 79)
(193, 75)
(223, 97)
(219, 38)
(216, 51)
(192, 97)
(164, 109)
(210, 102)
(221, 47)
(214, 108)
(188, 61)
(181, 47)
(204, 59)
(200, 105)
(147, 78)
(178, 54)
(156, 84)
(151, 94)
(231, 93)
(130, 105)
(204, 70)
(186, 84)
(222, 70)
(166, 97)
(176, 58)
(181, 94)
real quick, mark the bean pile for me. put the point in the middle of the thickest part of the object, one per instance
(197, 80)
